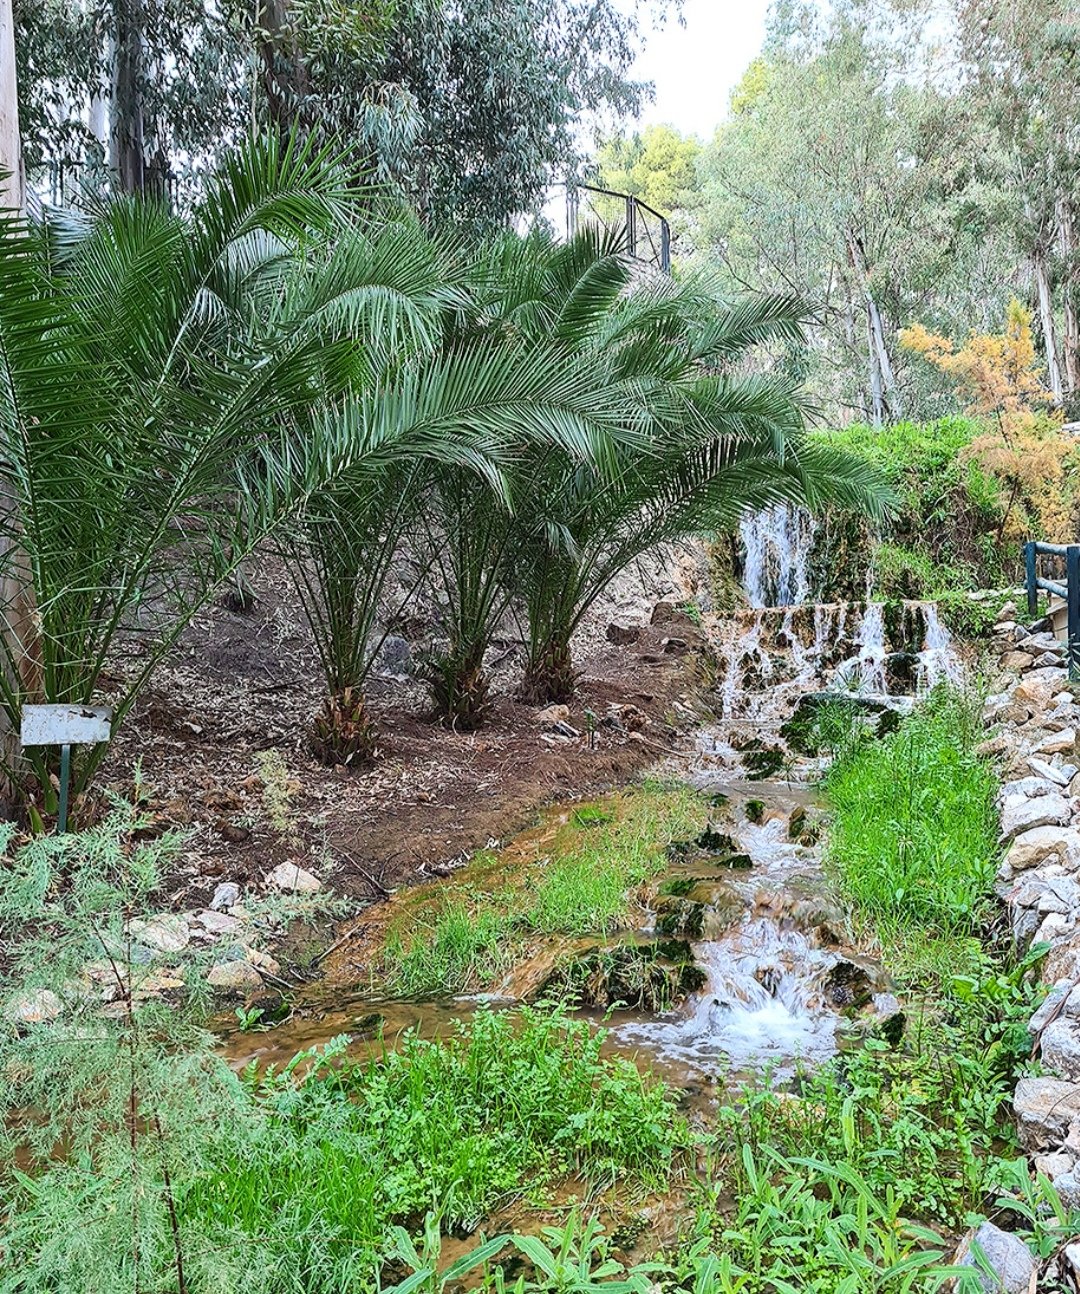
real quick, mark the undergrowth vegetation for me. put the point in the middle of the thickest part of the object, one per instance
(913, 836)
(583, 881)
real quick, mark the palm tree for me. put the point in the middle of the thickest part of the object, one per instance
(711, 441)
(172, 387)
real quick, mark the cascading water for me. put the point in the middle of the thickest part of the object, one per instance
(938, 661)
(777, 541)
(865, 673)
(760, 1005)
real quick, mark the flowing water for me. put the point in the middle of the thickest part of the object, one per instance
(777, 986)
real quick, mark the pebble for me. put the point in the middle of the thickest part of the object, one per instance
(226, 894)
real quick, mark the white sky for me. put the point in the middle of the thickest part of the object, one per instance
(696, 66)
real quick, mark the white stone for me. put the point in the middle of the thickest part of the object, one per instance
(1009, 1259)
(237, 976)
(1053, 1165)
(167, 933)
(1060, 1048)
(1042, 769)
(293, 879)
(37, 1007)
(226, 894)
(1045, 1107)
(1019, 813)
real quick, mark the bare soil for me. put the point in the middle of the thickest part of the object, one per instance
(242, 684)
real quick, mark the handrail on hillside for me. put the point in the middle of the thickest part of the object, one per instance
(1069, 591)
(640, 242)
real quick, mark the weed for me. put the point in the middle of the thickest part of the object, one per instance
(913, 836)
(278, 792)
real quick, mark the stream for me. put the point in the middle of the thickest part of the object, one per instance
(741, 921)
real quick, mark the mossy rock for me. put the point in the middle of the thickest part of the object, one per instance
(648, 977)
(678, 916)
(755, 811)
(715, 842)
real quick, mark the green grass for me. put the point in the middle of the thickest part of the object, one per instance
(470, 934)
(913, 837)
(458, 1126)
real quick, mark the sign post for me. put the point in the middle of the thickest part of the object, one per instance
(65, 726)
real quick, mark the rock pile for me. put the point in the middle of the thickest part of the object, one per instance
(1035, 720)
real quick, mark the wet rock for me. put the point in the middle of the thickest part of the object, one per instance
(167, 933)
(678, 916)
(1042, 845)
(1019, 814)
(1060, 1048)
(1045, 1107)
(847, 985)
(38, 1007)
(715, 842)
(237, 976)
(226, 894)
(291, 878)
(675, 646)
(269, 1003)
(1011, 1264)
(647, 977)
(622, 635)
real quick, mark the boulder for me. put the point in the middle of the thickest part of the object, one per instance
(1017, 660)
(1057, 743)
(553, 714)
(1028, 787)
(291, 878)
(1032, 693)
(1021, 813)
(395, 655)
(1053, 1165)
(1010, 1262)
(1067, 1185)
(1045, 1107)
(1063, 961)
(216, 923)
(237, 976)
(622, 635)
(1061, 1048)
(1040, 768)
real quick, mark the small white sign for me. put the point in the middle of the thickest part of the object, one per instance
(65, 725)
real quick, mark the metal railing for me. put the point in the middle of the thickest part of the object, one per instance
(1068, 590)
(648, 233)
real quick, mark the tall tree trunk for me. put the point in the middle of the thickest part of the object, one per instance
(1070, 291)
(882, 380)
(12, 192)
(283, 75)
(127, 141)
(1046, 320)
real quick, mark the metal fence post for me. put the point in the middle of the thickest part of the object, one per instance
(631, 226)
(1032, 589)
(1072, 586)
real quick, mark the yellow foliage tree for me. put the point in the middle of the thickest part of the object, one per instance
(998, 375)
(995, 373)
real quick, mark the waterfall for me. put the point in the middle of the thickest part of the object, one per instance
(938, 662)
(777, 542)
(761, 1004)
(865, 673)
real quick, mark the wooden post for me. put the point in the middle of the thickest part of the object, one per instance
(1032, 590)
(1072, 567)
